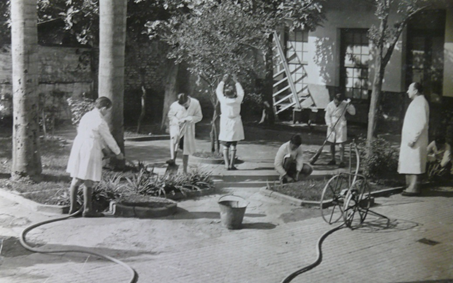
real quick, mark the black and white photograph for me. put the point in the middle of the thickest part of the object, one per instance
(226, 141)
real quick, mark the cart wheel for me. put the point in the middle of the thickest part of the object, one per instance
(358, 202)
(333, 197)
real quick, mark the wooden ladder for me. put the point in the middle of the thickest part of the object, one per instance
(285, 95)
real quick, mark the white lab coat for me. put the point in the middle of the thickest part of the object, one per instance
(176, 115)
(335, 113)
(231, 128)
(285, 152)
(412, 160)
(93, 134)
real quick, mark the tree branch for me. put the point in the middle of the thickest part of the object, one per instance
(399, 30)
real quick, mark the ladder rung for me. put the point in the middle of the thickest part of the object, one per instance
(286, 107)
(279, 73)
(279, 82)
(298, 67)
(294, 55)
(282, 90)
(283, 99)
(299, 79)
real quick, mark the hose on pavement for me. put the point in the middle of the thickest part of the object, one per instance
(133, 274)
(296, 273)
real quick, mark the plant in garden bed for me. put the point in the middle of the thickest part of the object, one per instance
(381, 167)
(145, 183)
(310, 189)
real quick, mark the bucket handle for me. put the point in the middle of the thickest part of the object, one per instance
(232, 195)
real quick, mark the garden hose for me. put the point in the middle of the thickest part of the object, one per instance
(293, 275)
(133, 274)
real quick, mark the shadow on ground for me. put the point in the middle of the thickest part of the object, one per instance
(182, 213)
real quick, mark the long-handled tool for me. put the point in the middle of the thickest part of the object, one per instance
(319, 151)
(172, 167)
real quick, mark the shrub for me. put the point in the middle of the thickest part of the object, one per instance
(79, 107)
(382, 165)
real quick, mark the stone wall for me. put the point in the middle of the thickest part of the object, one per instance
(66, 70)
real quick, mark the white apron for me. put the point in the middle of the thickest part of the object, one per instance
(231, 128)
(335, 113)
(93, 134)
(176, 114)
(412, 160)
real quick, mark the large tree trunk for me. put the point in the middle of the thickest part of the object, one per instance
(170, 91)
(112, 39)
(26, 160)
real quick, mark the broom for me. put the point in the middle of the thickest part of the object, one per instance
(319, 151)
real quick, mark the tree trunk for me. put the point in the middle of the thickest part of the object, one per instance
(143, 108)
(170, 91)
(269, 84)
(112, 31)
(215, 126)
(26, 159)
(373, 113)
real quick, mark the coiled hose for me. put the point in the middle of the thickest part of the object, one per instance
(133, 274)
(296, 273)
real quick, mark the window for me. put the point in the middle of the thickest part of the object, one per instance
(355, 56)
(297, 56)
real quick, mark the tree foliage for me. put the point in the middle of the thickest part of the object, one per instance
(384, 38)
(217, 37)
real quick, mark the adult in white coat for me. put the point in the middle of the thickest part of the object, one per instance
(414, 140)
(183, 115)
(337, 125)
(85, 160)
(231, 128)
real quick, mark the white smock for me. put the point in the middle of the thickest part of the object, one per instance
(337, 113)
(176, 115)
(93, 134)
(412, 160)
(285, 151)
(231, 128)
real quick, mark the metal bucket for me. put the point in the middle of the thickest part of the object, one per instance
(232, 210)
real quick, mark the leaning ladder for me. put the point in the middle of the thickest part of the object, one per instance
(285, 95)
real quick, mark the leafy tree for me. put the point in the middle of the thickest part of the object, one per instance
(26, 160)
(217, 37)
(384, 38)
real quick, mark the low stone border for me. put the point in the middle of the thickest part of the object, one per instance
(190, 194)
(299, 202)
(143, 211)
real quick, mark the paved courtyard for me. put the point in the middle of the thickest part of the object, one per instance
(276, 239)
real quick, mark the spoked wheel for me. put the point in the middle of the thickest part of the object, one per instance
(333, 198)
(357, 204)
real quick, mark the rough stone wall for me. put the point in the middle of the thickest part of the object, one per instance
(64, 70)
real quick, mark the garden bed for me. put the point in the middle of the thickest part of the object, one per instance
(309, 190)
